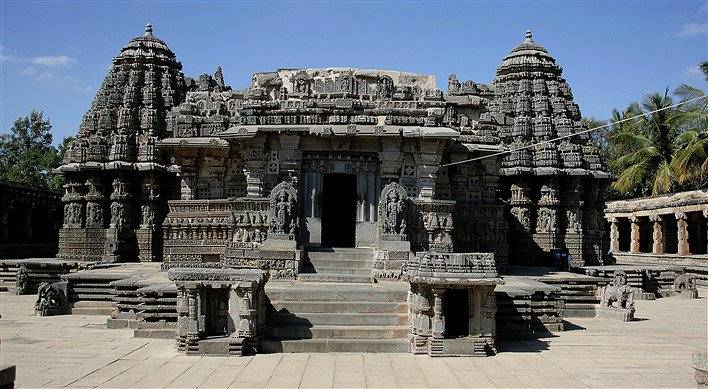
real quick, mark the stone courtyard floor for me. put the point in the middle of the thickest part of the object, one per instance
(78, 351)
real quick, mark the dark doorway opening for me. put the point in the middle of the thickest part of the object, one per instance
(338, 210)
(217, 311)
(457, 313)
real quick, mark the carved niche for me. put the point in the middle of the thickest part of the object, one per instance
(393, 210)
(283, 209)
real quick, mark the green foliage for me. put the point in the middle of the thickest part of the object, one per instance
(660, 152)
(27, 156)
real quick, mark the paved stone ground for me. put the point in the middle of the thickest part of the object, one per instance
(78, 351)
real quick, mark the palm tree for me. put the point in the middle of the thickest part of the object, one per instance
(644, 147)
(690, 162)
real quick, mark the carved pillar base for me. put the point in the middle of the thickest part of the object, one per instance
(149, 244)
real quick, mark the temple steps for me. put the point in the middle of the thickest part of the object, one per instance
(336, 346)
(339, 319)
(336, 317)
(292, 332)
(345, 265)
(341, 307)
(335, 277)
(281, 292)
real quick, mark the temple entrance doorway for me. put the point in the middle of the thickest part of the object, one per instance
(216, 311)
(338, 210)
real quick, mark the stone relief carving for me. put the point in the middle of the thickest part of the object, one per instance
(283, 209)
(393, 209)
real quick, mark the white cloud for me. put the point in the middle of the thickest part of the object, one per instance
(37, 74)
(53, 61)
(693, 71)
(42, 60)
(84, 89)
(692, 29)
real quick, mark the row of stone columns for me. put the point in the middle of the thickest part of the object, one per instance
(658, 238)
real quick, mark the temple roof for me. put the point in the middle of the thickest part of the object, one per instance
(147, 46)
(528, 54)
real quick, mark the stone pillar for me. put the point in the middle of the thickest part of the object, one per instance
(192, 333)
(634, 237)
(547, 215)
(94, 203)
(657, 235)
(521, 203)
(574, 229)
(427, 161)
(438, 318)
(73, 207)
(682, 224)
(187, 185)
(149, 231)
(614, 235)
(120, 222)
(254, 164)
(391, 159)
(291, 157)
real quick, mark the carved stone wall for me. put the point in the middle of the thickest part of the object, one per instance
(196, 232)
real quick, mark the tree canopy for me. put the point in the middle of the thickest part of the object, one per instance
(659, 152)
(27, 155)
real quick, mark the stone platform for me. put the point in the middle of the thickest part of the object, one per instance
(652, 352)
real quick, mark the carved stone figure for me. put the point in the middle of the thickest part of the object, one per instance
(685, 286)
(51, 298)
(22, 280)
(283, 209)
(617, 292)
(393, 209)
(617, 299)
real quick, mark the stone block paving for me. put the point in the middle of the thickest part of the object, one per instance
(78, 351)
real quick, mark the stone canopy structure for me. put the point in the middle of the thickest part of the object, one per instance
(193, 173)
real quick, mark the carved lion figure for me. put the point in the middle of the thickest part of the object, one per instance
(618, 291)
(684, 282)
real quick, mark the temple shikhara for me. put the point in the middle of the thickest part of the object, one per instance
(336, 209)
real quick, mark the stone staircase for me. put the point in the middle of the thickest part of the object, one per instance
(352, 265)
(336, 317)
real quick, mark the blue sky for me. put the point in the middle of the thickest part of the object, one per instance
(55, 55)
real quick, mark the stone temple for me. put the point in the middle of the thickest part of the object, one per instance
(262, 202)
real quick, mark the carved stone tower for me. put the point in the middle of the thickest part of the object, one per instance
(554, 201)
(114, 201)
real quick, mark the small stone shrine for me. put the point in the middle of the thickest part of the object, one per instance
(310, 176)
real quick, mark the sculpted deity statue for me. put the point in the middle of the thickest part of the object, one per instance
(385, 87)
(393, 209)
(94, 215)
(453, 84)
(148, 215)
(283, 209)
(395, 222)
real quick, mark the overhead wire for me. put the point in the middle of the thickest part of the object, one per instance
(573, 134)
